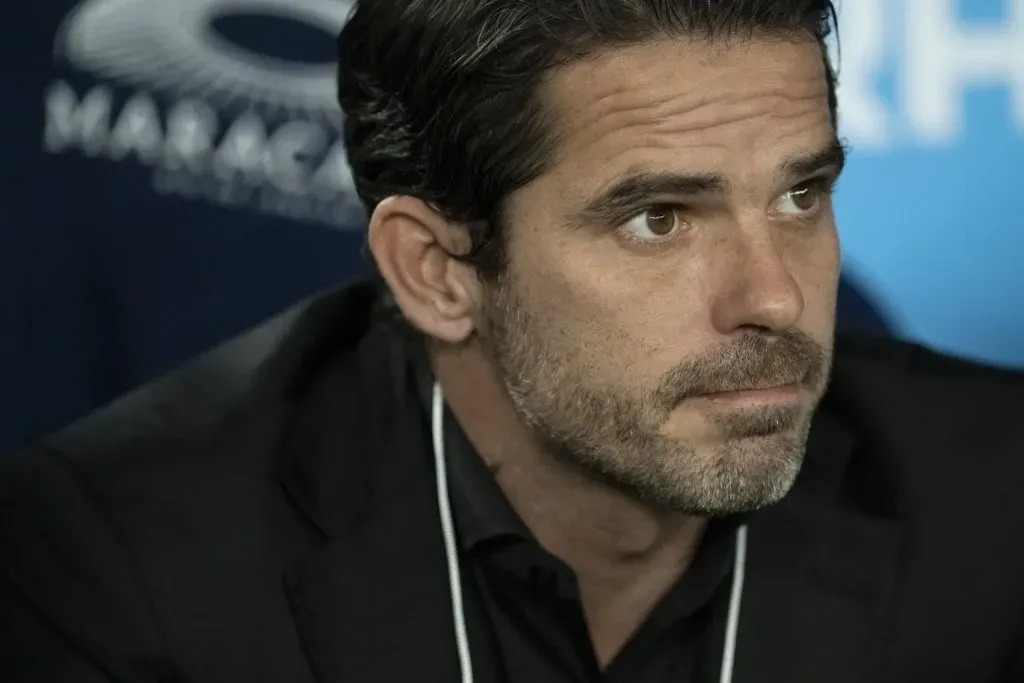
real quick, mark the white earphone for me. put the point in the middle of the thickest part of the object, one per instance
(455, 575)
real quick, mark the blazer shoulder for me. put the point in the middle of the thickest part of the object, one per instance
(183, 406)
(932, 407)
(925, 372)
(214, 430)
(193, 403)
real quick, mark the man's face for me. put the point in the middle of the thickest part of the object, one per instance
(666, 318)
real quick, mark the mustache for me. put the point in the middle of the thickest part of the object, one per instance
(754, 361)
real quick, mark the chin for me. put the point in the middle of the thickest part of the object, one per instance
(752, 475)
(758, 466)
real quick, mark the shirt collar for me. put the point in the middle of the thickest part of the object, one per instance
(482, 513)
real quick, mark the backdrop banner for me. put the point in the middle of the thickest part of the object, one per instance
(173, 175)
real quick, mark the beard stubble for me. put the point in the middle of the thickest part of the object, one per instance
(615, 434)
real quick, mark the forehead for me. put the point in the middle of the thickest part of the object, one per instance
(687, 104)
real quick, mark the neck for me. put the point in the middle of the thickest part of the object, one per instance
(625, 555)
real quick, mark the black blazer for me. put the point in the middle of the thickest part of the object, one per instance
(268, 514)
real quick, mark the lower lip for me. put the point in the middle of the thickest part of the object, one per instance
(789, 393)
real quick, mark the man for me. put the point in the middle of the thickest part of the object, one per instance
(580, 433)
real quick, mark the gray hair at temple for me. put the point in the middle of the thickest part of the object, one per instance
(440, 96)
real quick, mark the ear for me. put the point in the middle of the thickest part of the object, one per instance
(411, 244)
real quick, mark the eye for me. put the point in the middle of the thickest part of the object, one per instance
(802, 199)
(654, 224)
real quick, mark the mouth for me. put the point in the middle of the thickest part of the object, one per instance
(765, 394)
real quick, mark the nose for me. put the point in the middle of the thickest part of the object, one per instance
(759, 291)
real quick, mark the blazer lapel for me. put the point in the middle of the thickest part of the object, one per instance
(372, 601)
(379, 612)
(820, 579)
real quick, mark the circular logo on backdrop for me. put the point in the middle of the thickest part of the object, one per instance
(172, 45)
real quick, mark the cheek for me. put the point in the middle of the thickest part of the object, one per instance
(621, 327)
(609, 312)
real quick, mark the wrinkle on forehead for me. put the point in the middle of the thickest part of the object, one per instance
(685, 88)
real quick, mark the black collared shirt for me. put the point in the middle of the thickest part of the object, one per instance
(529, 604)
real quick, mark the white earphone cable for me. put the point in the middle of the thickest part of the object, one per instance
(732, 626)
(455, 574)
(448, 530)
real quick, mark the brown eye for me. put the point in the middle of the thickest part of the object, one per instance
(802, 199)
(661, 221)
(653, 224)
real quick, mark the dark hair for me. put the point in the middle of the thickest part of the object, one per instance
(440, 96)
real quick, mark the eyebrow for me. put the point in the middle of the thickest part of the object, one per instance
(638, 187)
(832, 158)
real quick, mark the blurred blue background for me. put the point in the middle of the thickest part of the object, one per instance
(173, 176)
(932, 102)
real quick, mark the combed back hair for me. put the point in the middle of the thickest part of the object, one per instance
(440, 97)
